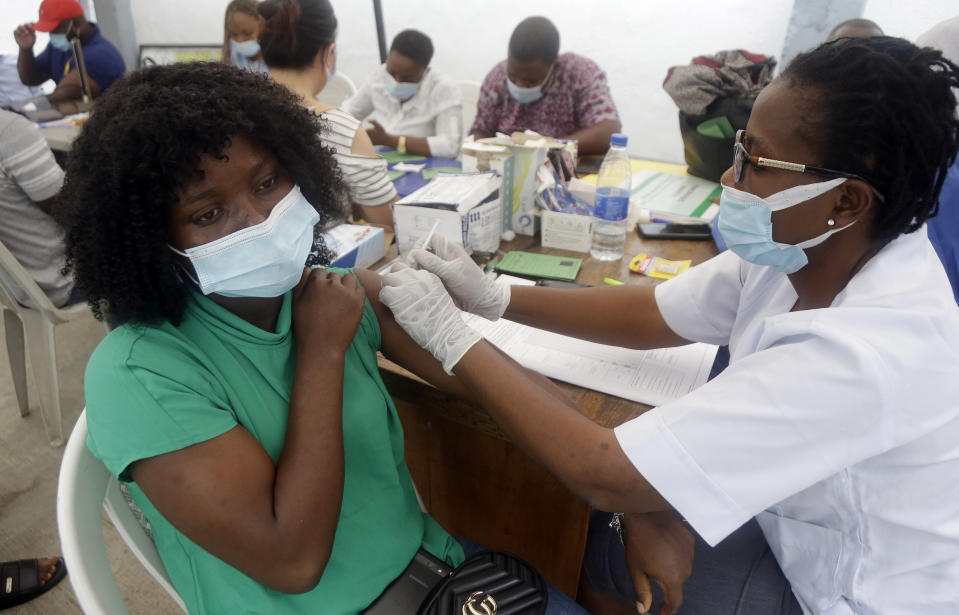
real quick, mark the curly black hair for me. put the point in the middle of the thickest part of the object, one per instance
(142, 144)
(884, 109)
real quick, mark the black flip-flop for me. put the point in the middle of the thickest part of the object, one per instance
(19, 581)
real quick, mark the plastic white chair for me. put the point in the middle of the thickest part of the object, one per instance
(337, 90)
(32, 327)
(470, 91)
(86, 487)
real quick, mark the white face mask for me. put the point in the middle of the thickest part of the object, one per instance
(264, 260)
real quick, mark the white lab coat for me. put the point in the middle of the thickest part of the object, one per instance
(837, 428)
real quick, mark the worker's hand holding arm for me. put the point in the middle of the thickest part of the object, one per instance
(533, 412)
(426, 312)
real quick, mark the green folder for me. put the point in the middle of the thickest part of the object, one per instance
(430, 174)
(392, 157)
(540, 265)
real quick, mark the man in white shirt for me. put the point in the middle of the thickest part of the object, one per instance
(416, 109)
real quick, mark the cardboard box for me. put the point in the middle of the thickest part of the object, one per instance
(517, 159)
(355, 245)
(566, 231)
(466, 208)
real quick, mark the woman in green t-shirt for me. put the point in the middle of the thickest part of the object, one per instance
(241, 400)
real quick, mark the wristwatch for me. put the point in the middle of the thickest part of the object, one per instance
(617, 524)
(401, 145)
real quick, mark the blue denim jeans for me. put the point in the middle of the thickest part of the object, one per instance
(558, 602)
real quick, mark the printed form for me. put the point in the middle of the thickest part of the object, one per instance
(652, 377)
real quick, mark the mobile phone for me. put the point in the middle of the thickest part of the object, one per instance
(408, 591)
(658, 230)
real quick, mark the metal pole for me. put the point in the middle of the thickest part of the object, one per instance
(380, 31)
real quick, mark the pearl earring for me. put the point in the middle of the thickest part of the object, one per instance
(831, 222)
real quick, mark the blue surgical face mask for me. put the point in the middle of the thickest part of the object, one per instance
(527, 95)
(264, 260)
(745, 223)
(247, 49)
(398, 90)
(524, 95)
(60, 41)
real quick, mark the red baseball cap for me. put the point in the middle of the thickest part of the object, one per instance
(52, 12)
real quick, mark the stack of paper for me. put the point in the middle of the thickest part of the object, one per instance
(652, 377)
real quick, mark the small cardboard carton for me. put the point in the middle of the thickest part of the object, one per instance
(517, 158)
(355, 245)
(465, 207)
(566, 231)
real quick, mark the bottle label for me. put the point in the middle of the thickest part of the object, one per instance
(610, 207)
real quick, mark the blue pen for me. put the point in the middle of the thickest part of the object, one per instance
(663, 221)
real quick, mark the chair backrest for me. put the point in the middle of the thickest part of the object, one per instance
(85, 487)
(337, 90)
(470, 91)
(16, 282)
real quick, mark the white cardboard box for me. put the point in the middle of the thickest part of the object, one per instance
(466, 208)
(566, 231)
(355, 245)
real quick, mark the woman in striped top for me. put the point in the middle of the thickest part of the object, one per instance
(298, 45)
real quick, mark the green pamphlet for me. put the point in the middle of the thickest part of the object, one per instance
(392, 157)
(540, 265)
(393, 175)
(429, 174)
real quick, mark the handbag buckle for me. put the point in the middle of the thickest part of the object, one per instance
(479, 603)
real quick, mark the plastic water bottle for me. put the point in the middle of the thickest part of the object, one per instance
(612, 202)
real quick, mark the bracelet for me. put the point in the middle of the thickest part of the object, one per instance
(617, 524)
(401, 145)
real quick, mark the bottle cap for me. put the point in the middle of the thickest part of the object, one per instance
(618, 139)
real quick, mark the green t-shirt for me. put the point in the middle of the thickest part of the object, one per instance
(159, 388)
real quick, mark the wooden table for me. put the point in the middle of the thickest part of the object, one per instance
(476, 483)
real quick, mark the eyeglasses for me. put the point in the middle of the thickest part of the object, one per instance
(741, 157)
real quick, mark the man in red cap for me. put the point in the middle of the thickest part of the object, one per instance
(64, 20)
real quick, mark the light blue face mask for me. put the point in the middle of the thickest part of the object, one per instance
(524, 95)
(400, 90)
(264, 260)
(247, 49)
(745, 223)
(527, 95)
(60, 41)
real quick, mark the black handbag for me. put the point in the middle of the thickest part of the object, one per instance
(709, 157)
(489, 583)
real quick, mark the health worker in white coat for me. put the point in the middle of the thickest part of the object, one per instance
(836, 424)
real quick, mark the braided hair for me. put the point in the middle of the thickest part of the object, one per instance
(884, 110)
(142, 145)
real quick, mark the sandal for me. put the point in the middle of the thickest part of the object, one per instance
(19, 581)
